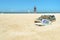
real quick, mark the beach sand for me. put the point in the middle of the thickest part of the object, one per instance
(22, 27)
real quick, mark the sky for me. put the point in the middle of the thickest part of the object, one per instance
(28, 5)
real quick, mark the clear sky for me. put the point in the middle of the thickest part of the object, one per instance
(28, 5)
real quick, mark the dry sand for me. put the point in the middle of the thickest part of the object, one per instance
(22, 27)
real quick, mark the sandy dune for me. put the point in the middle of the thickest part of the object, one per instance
(22, 27)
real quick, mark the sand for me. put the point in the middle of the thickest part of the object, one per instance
(22, 27)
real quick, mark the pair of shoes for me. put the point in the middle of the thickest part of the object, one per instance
(45, 20)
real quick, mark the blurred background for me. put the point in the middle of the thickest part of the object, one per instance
(28, 5)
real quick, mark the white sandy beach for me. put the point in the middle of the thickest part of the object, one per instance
(22, 27)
